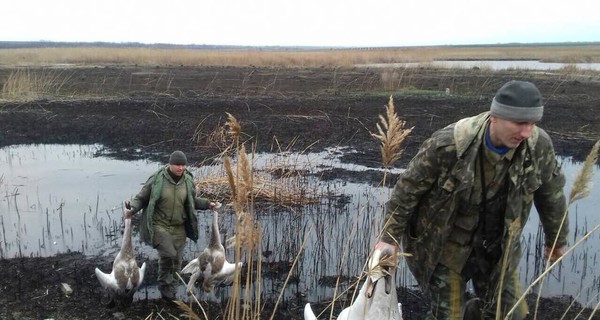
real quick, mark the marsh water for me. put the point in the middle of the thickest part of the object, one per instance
(61, 198)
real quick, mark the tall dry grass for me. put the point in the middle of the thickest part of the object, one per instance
(292, 56)
(25, 85)
(242, 186)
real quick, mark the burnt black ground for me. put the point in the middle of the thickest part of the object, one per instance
(146, 112)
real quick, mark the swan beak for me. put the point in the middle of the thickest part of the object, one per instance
(370, 287)
(372, 283)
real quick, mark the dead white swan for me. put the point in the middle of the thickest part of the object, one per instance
(377, 299)
(126, 277)
(211, 267)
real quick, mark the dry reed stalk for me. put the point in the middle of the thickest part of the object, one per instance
(216, 137)
(547, 270)
(189, 312)
(26, 85)
(580, 189)
(512, 229)
(391, 134)
(281, 190)
(306, 236)
(287, 58)
(235, 129)
(246, 239)
(230, 177)
(244, 173)
(582, 183)
(594, 310)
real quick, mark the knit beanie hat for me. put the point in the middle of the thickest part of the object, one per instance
(518, 101)
(178, 157)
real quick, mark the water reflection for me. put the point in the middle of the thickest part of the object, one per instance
(59, 198)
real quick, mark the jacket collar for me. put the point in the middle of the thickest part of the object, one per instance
(466, 133)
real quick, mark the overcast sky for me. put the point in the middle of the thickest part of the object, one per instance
(367, 23)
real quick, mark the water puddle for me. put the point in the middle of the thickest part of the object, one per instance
(60, 198)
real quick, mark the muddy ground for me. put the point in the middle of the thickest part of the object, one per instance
(147, 112)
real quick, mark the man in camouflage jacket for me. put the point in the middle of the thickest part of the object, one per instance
(459, 224)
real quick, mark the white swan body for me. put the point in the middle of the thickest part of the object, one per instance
(126, 277)
(211, 267)
(381, 304)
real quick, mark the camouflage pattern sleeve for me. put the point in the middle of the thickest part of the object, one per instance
(141, 200)
(549, 198)
(416, 180)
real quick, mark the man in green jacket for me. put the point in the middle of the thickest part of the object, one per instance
(169, 203)
(460, 206)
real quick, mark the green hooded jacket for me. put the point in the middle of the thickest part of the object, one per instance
(422, 209)
(152, 191)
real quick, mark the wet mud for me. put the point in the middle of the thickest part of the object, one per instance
(142, 112)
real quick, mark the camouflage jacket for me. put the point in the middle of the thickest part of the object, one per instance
(423, 206)
(148, 198)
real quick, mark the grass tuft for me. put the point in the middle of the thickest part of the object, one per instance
(26, 85)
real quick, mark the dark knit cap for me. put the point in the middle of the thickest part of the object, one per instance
(518, 101)
(177, 157)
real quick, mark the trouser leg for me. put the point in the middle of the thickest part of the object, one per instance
(170, 245)
(446, 293)
(511, 292)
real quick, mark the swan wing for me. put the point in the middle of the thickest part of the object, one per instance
(192, 267)
(107, 281)
(227, 272)
(141, 272)
(308, 313)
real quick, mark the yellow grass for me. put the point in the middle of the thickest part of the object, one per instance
(291, 57)
(29, 85)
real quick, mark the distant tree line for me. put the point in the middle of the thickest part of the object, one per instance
(54, 44)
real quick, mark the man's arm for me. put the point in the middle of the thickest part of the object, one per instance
(551, 204)
(418, 178)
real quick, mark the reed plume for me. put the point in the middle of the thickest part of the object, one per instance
(235, 129)
(582, 183)
(246, 239)
(391, 134)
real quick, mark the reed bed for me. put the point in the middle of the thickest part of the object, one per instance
(242, 186)
(277, 184)
(281, 191)
(293, 57)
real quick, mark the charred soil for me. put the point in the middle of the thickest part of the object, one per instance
(142, 112)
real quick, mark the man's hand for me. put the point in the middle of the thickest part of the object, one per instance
(214, 205)
(128, 212)
(382, 250)
(382, 261)
(557, 253)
